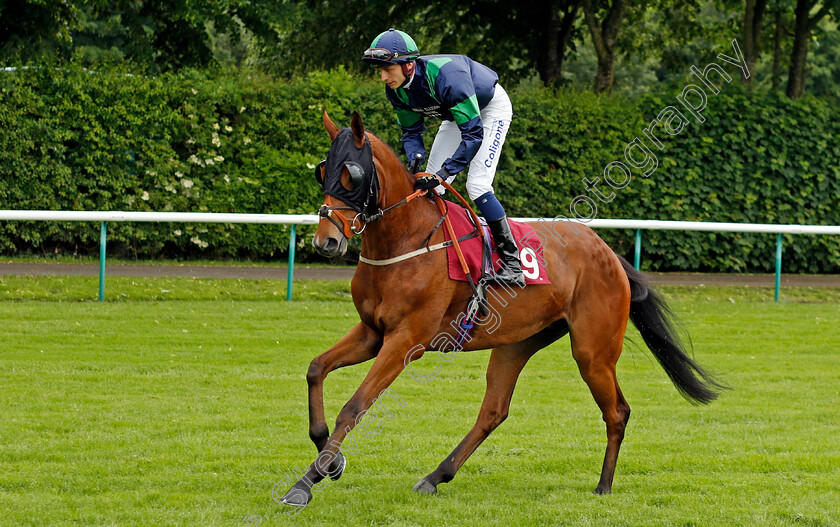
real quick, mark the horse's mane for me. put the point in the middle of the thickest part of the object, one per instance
(388, 148)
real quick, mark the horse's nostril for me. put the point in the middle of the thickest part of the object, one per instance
(331, 245)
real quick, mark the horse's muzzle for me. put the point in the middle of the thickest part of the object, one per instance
(329, 246)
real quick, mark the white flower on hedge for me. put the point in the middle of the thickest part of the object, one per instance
(179, 175)
(145, 196)
(196, 160)
(246, 140)
(215, 126)
(190, 141)
(177, 232)
(215, 140)
(310, 166)
(218, 159)
(198, 241)
(170, 188)
(187, 183)
(227, 178)
(228, 128)
(209, 162)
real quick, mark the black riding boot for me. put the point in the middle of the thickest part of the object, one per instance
(511, 270)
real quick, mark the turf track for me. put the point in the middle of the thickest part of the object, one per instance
(182, 402)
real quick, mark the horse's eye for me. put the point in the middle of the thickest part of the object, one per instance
(357, 174)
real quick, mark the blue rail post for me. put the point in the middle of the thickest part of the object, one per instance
(292, 243)
(778, 264)
(637, 259)
(103, 237)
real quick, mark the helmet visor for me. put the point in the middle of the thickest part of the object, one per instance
(386, 55)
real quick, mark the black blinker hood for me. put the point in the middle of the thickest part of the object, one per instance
(344, 152)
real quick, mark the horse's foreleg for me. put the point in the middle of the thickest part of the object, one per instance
(388, 365)
(359, 345)
(506, 363)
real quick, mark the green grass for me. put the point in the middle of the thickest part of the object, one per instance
(185, 407)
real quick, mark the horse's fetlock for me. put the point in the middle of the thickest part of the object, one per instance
(319, 433)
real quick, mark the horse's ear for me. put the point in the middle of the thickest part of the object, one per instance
(330, 126)
(358, 129)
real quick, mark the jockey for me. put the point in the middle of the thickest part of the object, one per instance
(475, 112)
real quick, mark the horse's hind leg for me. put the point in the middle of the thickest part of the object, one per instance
(506, 363)
(596, 349)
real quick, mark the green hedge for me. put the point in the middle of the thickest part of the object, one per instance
(758, 158)
(246, 142)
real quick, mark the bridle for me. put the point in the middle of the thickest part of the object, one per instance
(347, 227)
(364, 195)
(366, 184)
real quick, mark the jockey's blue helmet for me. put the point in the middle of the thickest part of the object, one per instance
(391, 47)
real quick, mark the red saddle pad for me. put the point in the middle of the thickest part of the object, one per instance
(529, 243)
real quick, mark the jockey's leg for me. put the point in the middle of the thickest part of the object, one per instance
(511, 270)
(496, 118)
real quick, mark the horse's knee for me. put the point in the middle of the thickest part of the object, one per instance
(315, 374)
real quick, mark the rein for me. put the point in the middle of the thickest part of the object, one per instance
(453, 239)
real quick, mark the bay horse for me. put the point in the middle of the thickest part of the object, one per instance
(405, 303)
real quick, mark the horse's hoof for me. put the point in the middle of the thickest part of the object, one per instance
(602, 491)
(337, 466)
(424, 487)
(298, 496)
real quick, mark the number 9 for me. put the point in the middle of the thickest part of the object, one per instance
(530, 265)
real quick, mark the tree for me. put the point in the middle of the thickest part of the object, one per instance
(34, 29)
(171, 34)
(753, 15)
(557, 31)
(782, 15)
(158, 34)
(804, 24)
(515, 39)
(604, 37)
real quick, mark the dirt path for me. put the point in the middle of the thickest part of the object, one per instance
(304, 272)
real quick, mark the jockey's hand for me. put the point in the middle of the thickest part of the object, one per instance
(414, 163)
(426, 181)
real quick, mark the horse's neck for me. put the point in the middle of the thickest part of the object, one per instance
(400, 230)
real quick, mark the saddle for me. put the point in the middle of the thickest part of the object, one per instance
(470, 252)
(479, 251)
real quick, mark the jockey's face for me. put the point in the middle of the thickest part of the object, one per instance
(392, 75)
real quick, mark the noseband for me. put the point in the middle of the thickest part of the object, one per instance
(347, 227)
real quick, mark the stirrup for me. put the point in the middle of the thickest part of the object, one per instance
(478, 302)
(509, 276)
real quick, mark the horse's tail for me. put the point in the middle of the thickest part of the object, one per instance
(655, 321)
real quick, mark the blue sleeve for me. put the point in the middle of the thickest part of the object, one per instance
(472, 135)
(412, 140)
(455, 90)
(412, 126)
